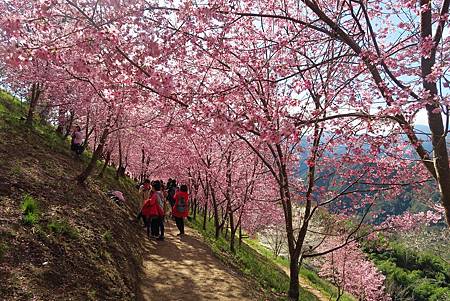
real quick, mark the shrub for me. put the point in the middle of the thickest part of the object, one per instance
(412, 275)
(30, 210)
(3, 249)
(107, 236)
(62, 227)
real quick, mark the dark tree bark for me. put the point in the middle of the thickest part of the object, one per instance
(69, 124)
(205, 187)
(438, 133)
(205, 215)
(61, 121)
(240, 234)
(215, 212)
(107, 159)
(35, 93)
(97, 153)
(120, 172)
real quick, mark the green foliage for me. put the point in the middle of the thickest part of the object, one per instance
(62, 227)
(3, 249)
(409, 274)
(323, 285)
(9, 105)
(250, 262)
(13, 112)
(318, 283)
(16, 170)
(107, 236)
(30, 210)
(92, 295)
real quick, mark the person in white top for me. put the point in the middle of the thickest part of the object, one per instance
(77, 141)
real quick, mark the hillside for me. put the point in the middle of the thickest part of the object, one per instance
(77, 244)
(63, 241)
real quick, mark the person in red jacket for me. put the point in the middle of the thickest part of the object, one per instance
(180, 209)
(153, 212)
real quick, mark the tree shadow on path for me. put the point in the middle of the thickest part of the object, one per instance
(186, 269)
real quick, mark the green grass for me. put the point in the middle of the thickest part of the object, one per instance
(10, 105)
(92, 295)
(324, 286)
(30, 210)
(16, 169)
(62, 227)
(3, 249)
(107, 236)
(251, 264)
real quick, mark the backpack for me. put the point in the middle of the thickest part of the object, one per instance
(181, 206)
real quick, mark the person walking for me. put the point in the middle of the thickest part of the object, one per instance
(171, 190)
(146, 190)
(77, 140)
(180, 209)
(153, 213)
(159, 200)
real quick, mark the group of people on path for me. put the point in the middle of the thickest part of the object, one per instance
(156, 202)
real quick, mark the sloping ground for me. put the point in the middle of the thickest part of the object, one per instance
(186, 269)
(80, 245)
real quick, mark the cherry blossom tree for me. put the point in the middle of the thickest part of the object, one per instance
(352, 272)
(273, 111)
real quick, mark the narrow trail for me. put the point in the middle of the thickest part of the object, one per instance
(305, 284)
(186, 269)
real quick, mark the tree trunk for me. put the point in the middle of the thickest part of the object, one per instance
(69, 124)
(61, 121)
(120, 168)
(97, 153)
(35, 92)
(440, 156)
(205, 186)
(205, 214)
(293, 293)
(240, 235)
(87, 134)
(107, 159)
(215, 213)
(232, 232)
(226, 229)
(141, 176)
(195, 208)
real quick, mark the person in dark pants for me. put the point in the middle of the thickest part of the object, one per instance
(77, 141)
(154, 226)
(180, 209)
(153, 212)
(160, 201)
(171, 190)
(146, 190)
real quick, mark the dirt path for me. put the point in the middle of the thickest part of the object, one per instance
(186, 269)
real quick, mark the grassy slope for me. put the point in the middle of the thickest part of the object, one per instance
(327, 289)
(252, 264)
(81, 246)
